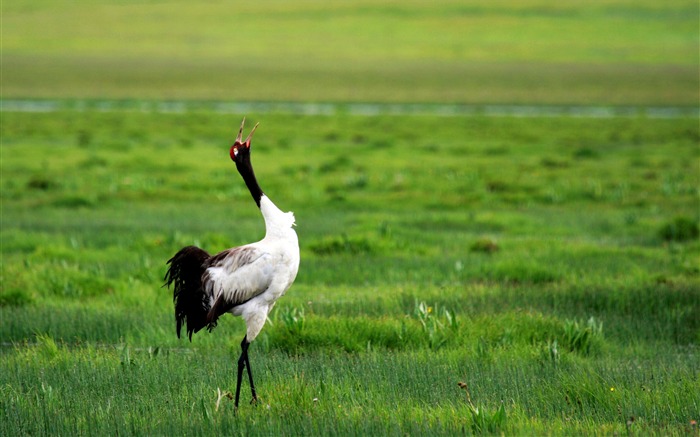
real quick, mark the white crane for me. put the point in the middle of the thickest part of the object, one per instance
(244, 281)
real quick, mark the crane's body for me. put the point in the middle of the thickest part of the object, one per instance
(244, 281)
(251, 278)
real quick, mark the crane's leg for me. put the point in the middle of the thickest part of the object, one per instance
(243, 361)
(250, 377)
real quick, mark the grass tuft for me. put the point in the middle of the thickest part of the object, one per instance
(438, 324)
(584, 338)
(41, 183)
(15, 297)
(485, 245)
(483, 422)
(680, 229)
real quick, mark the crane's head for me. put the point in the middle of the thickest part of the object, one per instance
(240, 149)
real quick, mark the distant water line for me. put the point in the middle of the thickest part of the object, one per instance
(363, 109)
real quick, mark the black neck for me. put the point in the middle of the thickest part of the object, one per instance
(246, 170)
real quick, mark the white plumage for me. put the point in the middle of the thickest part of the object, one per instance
(245, 281)
(257, 274)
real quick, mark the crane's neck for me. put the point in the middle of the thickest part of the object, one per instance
(245, 168)
(278, 224)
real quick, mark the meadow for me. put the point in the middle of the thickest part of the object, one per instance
(461, 274)
(607, 52)
(550, 264)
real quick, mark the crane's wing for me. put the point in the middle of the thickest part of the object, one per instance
(235, 276)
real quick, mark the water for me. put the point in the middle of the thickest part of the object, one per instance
(365, 109)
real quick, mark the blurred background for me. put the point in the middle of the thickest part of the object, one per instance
(605, 52)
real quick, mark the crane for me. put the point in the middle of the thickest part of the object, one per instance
(244, 281)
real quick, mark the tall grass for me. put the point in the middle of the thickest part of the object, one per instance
(528, 259)
(119, 389)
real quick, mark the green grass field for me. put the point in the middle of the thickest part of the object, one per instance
(459, 274)
(609, 52)
(550, 264)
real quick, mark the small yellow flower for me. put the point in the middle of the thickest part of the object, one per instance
(430, 310)
(612, 388)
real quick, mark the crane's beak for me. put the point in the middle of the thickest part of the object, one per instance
(250, 135)
(240, 131)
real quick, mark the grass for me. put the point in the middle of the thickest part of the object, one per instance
(460, 275)
(613, 52)
(408, 393)
(549, 264)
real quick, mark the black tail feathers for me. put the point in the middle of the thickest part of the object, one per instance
(185, 274)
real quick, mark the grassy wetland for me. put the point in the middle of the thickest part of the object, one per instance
(549, 264)
(459, 274)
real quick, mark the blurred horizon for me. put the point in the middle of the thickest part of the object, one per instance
(613, 52)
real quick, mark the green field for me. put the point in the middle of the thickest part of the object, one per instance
(459, 274)
(618, 52)
(558, 276)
